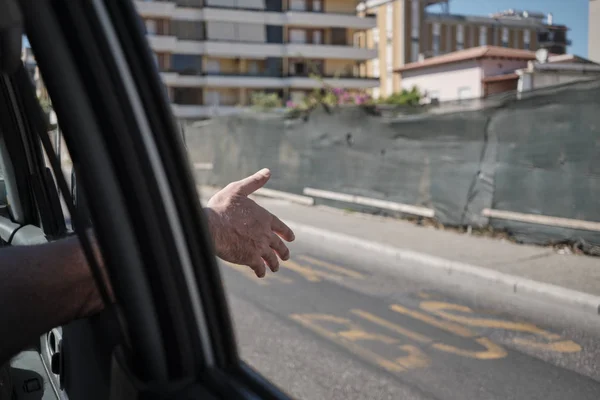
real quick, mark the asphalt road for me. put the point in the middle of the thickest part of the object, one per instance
(328, 327)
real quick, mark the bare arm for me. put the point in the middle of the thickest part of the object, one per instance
(42, 287)
(45, 286)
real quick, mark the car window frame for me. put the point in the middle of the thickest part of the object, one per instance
(67, 65)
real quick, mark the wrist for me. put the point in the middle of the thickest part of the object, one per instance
(213, 220)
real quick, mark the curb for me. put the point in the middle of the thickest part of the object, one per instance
(433, 266)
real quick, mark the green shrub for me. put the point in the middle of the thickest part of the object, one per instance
(265, 101)
(405, 98)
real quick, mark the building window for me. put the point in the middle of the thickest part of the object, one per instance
(472, 35)
(527, 40)
(253, 68)
(317, 6)
(338, 36)
(464, 93)
(483, 35)
(505, 37)
(298, 5)
(460, 37)
(150, 26)
(416, 30)
(297, 36)
(317, 37)
(213, 67)
(436, 38)
(188, 30)
(186, 64)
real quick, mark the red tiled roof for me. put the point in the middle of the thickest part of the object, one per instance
(475, 53)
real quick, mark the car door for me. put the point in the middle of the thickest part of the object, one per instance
(169, 334)
(31, 212)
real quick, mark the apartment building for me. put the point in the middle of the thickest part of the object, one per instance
(411, 30)
(594, 31)
(213, 54)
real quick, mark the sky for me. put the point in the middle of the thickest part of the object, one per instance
(572, 13)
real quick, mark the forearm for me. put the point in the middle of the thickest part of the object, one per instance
(42, 287)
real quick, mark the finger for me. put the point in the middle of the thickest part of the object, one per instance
(282, 229)
(258, 266)
(254, 182)
(279, 247)
(271, 260)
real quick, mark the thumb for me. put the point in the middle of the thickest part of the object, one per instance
(254, 182)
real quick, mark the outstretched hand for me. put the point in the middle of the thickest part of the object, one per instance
(245, 233)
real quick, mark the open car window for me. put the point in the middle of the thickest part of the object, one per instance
(174, 335)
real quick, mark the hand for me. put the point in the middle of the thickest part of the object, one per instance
(245, 233)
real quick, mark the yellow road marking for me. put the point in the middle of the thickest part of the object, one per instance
(393, 327)
(310, 274)
(438, 308)
(308, 321)
(424, 295)
(556, 344)
(332, 267)
(492, 350)
(445, 325)
(564, 346)
(415, 358)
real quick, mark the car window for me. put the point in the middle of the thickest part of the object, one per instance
(436, 185)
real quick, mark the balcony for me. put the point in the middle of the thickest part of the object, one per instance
(161, 9)
(346, 82)
(325, 20)
(243, 15)
(245, 80)
(162, 44)
(329, 51)
(240, 49)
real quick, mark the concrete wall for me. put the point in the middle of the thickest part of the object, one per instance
(536, 155)
(543, 80)
(446, 79)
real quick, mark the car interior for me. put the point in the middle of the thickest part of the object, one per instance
(110, 102)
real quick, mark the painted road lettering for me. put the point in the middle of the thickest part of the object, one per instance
(312, 274)
(331, 267)
(456, 313)
(351, 333)
(492, 350)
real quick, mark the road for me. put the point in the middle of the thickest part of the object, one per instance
(330, 327)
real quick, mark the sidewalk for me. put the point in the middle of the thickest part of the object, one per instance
(541, 264)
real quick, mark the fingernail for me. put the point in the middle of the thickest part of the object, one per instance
(265, 172)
